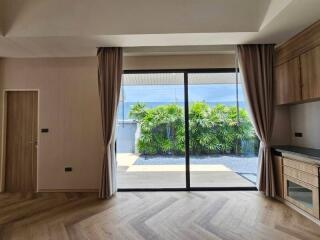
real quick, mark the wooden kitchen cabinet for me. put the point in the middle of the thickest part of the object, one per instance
(278, 175)
(288, 82)
(296, 67)
(310, 74)
(301, 184)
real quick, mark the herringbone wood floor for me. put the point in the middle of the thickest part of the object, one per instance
(150, 215)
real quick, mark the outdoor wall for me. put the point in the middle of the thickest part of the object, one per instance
(126, 136)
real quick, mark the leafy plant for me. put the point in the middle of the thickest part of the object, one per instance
(212, 130)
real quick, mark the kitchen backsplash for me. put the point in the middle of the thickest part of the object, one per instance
(305, 121)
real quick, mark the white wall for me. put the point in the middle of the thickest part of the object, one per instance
(305, 118)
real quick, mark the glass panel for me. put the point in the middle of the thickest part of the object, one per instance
(223, 144)
(300, 194)
(150, 131)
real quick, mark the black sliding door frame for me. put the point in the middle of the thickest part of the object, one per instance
(186, 73)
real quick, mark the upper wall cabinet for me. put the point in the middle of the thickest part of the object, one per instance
(297, 67)
(310, 74)
(287, 82)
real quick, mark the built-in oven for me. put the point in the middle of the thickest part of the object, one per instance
(302, 194)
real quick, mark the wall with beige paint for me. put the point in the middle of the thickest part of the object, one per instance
(69, 107)
(179, 61)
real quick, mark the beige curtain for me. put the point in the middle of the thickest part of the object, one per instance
(256, 66)
(109, 80)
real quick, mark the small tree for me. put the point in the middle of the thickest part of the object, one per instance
(138, 111)
(211, 129)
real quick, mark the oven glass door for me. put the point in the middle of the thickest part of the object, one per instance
(300, 194)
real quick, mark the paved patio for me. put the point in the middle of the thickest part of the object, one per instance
(135, 171)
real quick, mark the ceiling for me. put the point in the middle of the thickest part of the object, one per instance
(66, 28)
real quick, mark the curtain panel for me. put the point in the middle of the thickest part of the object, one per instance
(109, 83)
(256, 66)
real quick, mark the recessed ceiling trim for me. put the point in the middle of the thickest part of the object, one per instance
(179, 50)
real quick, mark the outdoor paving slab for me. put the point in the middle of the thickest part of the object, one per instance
(135, 171)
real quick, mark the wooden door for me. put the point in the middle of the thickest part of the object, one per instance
(288, 82)
(21, 141)
(310, 74)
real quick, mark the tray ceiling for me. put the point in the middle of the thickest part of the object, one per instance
(60, 28)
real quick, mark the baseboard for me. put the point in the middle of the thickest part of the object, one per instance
(68, 190)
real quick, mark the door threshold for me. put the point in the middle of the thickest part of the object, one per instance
(187, 190)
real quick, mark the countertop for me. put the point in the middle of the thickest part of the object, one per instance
(311, 153)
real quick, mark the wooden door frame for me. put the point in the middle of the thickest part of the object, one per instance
(4, 131)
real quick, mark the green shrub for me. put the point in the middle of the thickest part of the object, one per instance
(213, 130)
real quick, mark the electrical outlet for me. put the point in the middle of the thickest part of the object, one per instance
(44, 130)
(298, 134)
(68, 169)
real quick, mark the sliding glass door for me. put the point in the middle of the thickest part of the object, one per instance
(184, 130)
(151, 131)
(223, 144)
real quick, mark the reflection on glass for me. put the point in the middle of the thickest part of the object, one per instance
(300, 194)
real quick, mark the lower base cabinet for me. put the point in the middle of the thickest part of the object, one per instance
(297, 182)
(302, 195)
